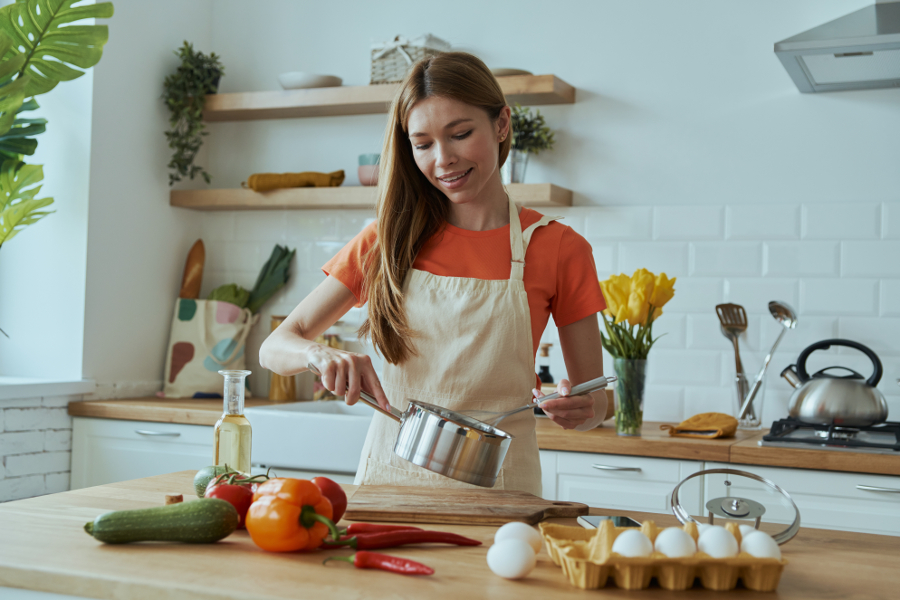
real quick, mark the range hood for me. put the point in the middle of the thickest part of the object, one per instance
(858, 51)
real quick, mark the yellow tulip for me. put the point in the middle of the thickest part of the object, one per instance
(615, 291)
(663, 291)
(639, 295)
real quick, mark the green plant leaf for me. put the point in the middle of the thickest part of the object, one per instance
(53, 53)
(18, 205)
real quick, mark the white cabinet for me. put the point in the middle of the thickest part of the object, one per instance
(624, 482)
(111, 450)
(826, 499)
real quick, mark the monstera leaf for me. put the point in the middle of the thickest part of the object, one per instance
(12, 92)
(53, 52)
(18, 205)
(18, 139)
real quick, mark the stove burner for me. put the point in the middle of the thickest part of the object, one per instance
(883, 438)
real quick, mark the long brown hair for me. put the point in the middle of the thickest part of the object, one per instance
(410, 209)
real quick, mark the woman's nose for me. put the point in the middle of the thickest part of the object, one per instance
(444, 155)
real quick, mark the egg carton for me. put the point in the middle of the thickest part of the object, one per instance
(588, 562)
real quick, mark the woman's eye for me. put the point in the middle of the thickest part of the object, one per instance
(462, 136)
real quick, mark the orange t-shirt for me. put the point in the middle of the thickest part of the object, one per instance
(560, 276)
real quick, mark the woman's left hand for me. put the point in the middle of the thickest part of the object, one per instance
(569, 411)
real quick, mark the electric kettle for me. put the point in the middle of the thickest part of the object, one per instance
(845, 400)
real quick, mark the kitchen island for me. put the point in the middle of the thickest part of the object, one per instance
(45, 548)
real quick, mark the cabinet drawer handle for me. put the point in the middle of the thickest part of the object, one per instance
(609, 468)
(869, 488)
(157, 433)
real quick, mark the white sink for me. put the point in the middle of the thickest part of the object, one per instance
(324, 437)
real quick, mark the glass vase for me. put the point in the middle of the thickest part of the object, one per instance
(631, 375)
(513, 170)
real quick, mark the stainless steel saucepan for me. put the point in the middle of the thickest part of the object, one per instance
(451, 444)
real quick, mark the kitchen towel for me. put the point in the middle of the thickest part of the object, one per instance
(206, 336)
(704, 425)
(263, 182)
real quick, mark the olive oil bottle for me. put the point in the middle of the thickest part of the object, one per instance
(233, 433)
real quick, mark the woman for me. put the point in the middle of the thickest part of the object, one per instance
(459, 282)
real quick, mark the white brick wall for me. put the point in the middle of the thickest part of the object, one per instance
(837, 264)
(35, 446)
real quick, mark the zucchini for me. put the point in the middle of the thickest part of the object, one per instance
(207, 474)
(198, 522)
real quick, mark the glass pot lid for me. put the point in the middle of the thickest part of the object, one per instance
(737, 496)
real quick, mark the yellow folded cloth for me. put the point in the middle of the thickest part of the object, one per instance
(263, 182)
(704, 425)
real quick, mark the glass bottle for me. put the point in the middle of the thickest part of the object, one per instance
(544, 364)
(233, 433)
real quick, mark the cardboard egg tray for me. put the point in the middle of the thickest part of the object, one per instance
(588, 562)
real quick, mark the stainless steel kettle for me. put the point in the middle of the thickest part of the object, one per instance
(825, 399)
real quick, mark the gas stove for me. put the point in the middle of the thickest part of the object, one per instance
(791, 433)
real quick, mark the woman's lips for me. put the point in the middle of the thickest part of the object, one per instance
(456, 182)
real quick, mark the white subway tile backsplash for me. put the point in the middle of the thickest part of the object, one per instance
(891, 215)
(688, 223)
(235, 256)
(762, 222)
(27, 419)
(218, 226)
(663, 403)
(844, 221)
(754, 294)
(268, 226)
(708, 399)
(832, 297)
(321, 252)
(659, 257)
(669, 330)
(890, 297)
(15, 488)
(696, 294)
(312, 225)
(704, 332)
(696, 367)
(57, 440)
(727, 259)
(620, 223)
(352, 222)
(809, 329)
(606, 258)
(32, 464)
(56, 482)
(794, 259)
(21, 442)
(870, 259)
(881, 334)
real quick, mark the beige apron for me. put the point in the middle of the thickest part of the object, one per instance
(474, 352)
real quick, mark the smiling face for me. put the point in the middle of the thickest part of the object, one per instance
(457, 146)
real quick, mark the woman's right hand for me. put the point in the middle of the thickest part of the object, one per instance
(346, 373)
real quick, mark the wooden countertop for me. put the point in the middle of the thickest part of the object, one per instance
(653, 442)
(45, 548)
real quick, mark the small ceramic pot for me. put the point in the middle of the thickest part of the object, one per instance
(368, 159)
(368, 174)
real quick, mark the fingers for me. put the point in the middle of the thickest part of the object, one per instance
(373, 386)
(564, 388)
(347, 374)
(570, 411)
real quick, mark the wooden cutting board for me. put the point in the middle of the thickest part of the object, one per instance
(433, 505)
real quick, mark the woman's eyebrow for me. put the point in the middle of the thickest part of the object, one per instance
(447, 126)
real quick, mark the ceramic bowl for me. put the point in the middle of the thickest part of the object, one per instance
(298, 80)
(369, 159)
(368, 174)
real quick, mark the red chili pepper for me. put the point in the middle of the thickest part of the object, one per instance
(383, 562)
(392, 539)
(355, 528)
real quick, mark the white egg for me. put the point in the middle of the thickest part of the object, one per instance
(520, 531)
(632, 543)
(717, 542)
(675, 542)
(746, 529)
(760, 545)
(701, 527)
(511, 559)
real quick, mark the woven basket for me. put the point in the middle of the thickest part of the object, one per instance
(391, 60)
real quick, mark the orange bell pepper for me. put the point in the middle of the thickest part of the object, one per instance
(289, 514)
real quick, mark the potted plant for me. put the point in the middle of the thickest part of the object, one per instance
(185, 93)
(633, 304)
(530, 136)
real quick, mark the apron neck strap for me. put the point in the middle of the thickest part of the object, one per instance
(519, 239)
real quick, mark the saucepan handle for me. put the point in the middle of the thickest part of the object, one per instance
(583, 388)
(369, 399)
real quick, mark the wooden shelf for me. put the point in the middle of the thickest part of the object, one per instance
(527, 194)
(528, 90)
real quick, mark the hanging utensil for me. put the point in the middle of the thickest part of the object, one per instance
(784, 314)
(492, 418)
(733, 319)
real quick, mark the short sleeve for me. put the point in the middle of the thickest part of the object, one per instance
(347, 265)
(578, 292)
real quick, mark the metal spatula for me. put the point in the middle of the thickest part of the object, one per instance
(733, 318)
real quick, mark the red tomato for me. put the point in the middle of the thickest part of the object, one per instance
(239, 496)
(335, 493)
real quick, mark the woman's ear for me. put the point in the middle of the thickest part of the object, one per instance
(503, 124)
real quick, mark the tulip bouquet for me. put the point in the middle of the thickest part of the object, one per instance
(633, 304)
